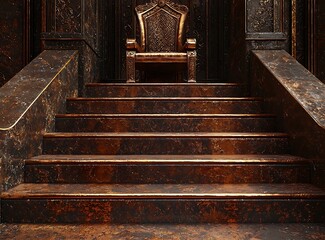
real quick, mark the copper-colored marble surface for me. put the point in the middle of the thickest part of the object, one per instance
(28, 103)
(213, 105)
(172, 158)
(187, 211)
(17, 96)
(163, 203)
(298, 98)
(167, 169)
(283, 195)
(167, 135)
(165, 143)
(165, 231)
(165, 191)
(165, 123)
(166, 90)
(304, 87)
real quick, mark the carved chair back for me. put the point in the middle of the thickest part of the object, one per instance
(161, 26)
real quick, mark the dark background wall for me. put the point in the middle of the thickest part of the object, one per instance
(319, 53)
(208, 22)
(302, 32)
(257, 24)
(226, 31)
(19, 39)
(13, 41)
(79, 25)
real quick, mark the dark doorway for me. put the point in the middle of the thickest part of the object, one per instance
(208, 22)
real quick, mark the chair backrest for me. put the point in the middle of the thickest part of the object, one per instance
(161, 26)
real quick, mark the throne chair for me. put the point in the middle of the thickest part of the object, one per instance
(161, 39)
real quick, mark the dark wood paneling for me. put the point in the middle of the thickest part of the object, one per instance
(320, 40)
(20, 35)
(237, 69)
(320, 56)
(257, 25)
(219, 26)
(218, 40)
(301, 32)
(14, 42)
(79, 24)
(208, 22)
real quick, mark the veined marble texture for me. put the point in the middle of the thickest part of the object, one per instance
(28, 103)
(162, 232)
(298, 98)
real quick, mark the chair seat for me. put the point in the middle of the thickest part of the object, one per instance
(161, 57)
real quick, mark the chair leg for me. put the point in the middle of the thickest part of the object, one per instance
(130, 66)
(191, 66)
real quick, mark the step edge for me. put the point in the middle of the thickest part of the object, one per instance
(170, 162)
(145, 158)
(137, 99)
(172, 135)
(220, 196)
(313, 192)
(171, 116)
(162, 84)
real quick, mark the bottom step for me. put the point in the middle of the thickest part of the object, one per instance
(204, 203)
(154, 232)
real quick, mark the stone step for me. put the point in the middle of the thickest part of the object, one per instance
(163, 203)
(267, 231)
(204, 169)
(157, 105)
(166, 90)
(144, 143)
(165, 123)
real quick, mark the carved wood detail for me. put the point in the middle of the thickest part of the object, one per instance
(264, 19)
(74, 20)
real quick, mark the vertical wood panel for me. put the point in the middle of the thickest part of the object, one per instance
(301, 32)
(320, 39)
(14, 37)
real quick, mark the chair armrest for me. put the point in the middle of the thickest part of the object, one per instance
(190, 44)
(132, 45)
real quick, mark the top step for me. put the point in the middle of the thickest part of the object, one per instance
(166, 90)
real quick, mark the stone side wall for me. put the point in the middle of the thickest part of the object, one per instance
(28, 104)
(298, 99)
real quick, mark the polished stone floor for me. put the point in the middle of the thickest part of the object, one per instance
(155, 232)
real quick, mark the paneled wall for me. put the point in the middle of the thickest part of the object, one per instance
(301, 32)
(257, 24)
(320, 39)
(78, 24)
(208, 22)
(20, 27)
(226, 31)
(14, 41)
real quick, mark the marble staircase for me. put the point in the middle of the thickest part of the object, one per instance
(165, 153)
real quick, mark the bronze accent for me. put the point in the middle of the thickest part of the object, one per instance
(162, 25)
(130, 66)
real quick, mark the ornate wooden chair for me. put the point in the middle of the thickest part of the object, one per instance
(161, 30)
